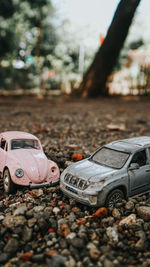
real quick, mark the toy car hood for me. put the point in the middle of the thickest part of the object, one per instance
(33, 163)
(87, 170)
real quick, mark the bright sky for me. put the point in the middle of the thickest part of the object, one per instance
(95, 13)
(83, 12)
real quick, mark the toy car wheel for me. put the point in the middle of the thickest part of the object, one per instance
(114, 197)
(1, 181)
(7, 182)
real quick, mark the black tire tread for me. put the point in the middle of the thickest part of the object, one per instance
(11, 184)
(115, 191)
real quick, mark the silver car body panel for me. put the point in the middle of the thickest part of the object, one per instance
(100, 180)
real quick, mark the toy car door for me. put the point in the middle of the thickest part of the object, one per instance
(139, 178)
(3, 153)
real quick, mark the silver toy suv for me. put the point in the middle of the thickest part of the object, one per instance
(114, 172)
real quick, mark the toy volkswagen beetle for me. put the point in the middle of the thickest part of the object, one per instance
(23, 162)
(114, 172)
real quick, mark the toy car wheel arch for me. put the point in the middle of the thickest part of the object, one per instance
(114, 197)
(7, 182)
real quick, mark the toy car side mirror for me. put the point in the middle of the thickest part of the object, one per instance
(134, 166)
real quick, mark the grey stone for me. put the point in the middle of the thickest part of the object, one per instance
(29, 213)
(79, 264)
(8, 221)
(77, 243)
(61, 221)
(63, 243)
(11, 246)
(14, 221)
(65, 252)
(105, 249)
(37, 192)
(31, 222)
(90, 246)
(108, 220)
(4, 257)
(74, 227)
(71, 235)
(38, 209)
(42, 223)
(27, 234)
(71, 218)
(49, 243)
(19, 220)
(20, 211)
(108, 263)
(1, 217)
(51, 189)
(116, 213)
(129, 205)
(112, 233)
(70, 263)
(38, 258)
(140, 243)
(53, 223)
(86, 261)
(51, 235)
(144, 212)
(136, 226)
(94, 253)
(56, 210)
(58, 260)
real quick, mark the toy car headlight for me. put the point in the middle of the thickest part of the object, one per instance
(19, 173)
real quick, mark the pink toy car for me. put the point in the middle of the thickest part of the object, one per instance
(23, 162)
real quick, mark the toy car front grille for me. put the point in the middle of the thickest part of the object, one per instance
(75, 181)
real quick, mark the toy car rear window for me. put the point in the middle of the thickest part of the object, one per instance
(24, 144)
(110, 158)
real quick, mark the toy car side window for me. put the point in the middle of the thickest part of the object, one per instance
(139, 158)
(149, 151)
(3, 143)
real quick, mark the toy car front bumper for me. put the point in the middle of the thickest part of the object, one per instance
(82, 197)
(47, 184)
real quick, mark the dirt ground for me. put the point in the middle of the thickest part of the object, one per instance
(86, 123)
(65, 126)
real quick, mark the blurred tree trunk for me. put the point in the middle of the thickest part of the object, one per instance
(94, 81)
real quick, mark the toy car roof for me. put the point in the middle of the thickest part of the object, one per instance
(131, 144)
(17, 135)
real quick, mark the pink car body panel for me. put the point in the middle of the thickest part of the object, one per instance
(34, 163)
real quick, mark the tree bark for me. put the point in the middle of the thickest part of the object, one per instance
(94, 81)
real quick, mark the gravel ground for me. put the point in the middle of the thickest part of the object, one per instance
(43, 227)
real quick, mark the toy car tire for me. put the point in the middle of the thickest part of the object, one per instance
(7, 182)
(114, 197)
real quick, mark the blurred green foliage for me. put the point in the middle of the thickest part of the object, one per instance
(37, 49)
(32, 52)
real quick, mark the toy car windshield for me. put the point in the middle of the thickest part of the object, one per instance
(24, 144)
(110, 158)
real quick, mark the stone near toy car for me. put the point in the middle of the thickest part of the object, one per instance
(114, 172)
(23, 162)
